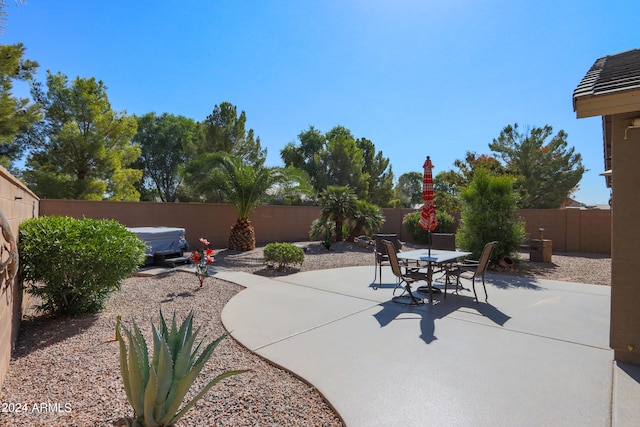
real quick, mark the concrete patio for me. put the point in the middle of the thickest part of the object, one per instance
(536, 354)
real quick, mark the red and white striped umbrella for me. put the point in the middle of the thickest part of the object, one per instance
(428, 220)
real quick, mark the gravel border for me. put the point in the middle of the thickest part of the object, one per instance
(65, 371)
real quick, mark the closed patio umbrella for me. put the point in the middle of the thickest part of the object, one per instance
(428, 220)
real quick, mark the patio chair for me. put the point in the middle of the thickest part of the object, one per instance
(407, 278)
(380, 252)
(471, 270)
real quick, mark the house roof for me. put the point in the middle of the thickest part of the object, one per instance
(611, 86)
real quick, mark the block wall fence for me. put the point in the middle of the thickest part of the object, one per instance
(17, 203)
(571, 230)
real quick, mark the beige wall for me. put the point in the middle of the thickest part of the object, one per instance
(571, 230)
(17, 203)
(211, 221)
(625, 288)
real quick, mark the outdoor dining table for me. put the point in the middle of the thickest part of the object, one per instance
(432, 258)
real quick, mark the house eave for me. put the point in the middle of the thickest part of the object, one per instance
(606, 104)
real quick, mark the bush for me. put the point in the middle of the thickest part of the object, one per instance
(323, 229)
(73, 265)
(488, 214)
(157, 389)
(410, 223)
(283, 255)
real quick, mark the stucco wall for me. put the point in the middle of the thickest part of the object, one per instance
(625, 295)
(211, 221)
(571, 230)
(17, 203)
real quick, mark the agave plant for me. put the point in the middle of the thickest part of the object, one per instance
(156, 390)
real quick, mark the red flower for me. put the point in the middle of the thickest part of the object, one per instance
(195, 256)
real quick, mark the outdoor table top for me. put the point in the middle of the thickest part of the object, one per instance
(436, 255)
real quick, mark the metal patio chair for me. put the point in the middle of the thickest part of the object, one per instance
(406, 279)
(380, 252)
(471, 270)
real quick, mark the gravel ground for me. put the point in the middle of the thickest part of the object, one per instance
(65, 371)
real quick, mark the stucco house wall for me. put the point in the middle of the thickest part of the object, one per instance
(17, 203)
(611, 89)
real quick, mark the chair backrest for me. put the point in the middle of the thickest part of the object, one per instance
(483, 262)
(393, 238)
(445, 241)
(393, 258)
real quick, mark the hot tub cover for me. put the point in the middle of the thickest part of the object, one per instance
(161, 240)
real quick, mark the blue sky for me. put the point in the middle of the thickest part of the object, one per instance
(415, 77)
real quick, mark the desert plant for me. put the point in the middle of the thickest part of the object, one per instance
(321, 228)
(283, 255)
(73, 265)
(489, 213)
(156, 390)
(410, 223)
(367, 218)
(338, 204)
(202, 258)
(243, 185)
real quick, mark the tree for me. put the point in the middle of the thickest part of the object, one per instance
(17, 115)
(303, 156)
(245, 186)
(337, 158)
(338, 203)
(378, 169)
(82, 148)
(224, 131)
(488, 214)
(548, 172)
(448, 184)
(409, 189)
(343, 162)
(367, 218)
(165, 143)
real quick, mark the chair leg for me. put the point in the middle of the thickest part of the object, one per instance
(486, 296)
(446, 282)
(473, 283)
(413, 298)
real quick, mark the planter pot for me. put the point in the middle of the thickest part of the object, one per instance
(506, 262)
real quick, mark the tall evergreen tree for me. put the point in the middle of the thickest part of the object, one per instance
(82, 148)
(17, 115)
(225, 132)
(166, 142)
(548, 171)
(337, 158)
(380, 174)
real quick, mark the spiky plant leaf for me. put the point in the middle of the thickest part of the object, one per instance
(165, 373)
(124, 367)
(150, 394)
(156, 390)
(202, 392)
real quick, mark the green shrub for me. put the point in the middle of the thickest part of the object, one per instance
(283, 255)
(156, 390)
(488, 214)
(73, 265)
(410, 223)
(324, 229)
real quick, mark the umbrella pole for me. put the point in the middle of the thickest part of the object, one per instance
(429, 241)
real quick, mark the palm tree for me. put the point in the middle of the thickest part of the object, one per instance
(338, 203)
(367, 218)
(243, 185)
